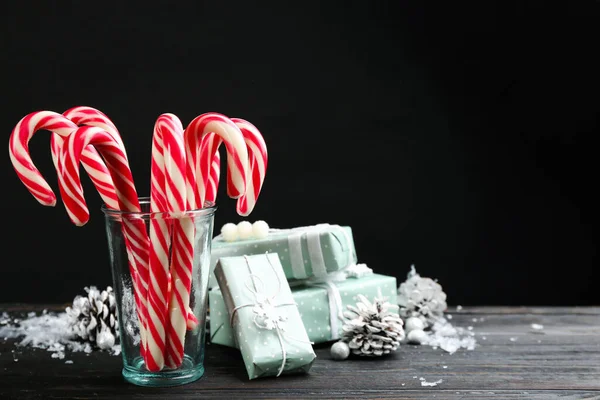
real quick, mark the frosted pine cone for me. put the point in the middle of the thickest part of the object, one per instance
(422, 298)
(372, 329)
(93, 318)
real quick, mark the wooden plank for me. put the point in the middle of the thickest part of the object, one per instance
(587, 310)
(511, 360)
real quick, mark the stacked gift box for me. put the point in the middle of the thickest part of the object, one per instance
(273, 296)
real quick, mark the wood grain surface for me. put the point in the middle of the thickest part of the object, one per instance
(511, 361)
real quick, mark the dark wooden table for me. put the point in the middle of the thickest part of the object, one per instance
(511, 360)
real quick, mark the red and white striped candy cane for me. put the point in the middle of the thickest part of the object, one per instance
(61, 127)
(116, 160)
(180, 314)
(167, 194)
(115, 157)
(26, 169)
(85, 115)
(169, 190)
(237, 155)
(78, 211)
(257, 157)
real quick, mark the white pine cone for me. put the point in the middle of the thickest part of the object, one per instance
(422, 298)
(94, 317)
(372, 329)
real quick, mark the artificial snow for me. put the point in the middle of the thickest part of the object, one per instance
(425, 383)
(49, 331)
(449, 338)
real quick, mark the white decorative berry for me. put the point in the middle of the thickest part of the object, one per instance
(244, 230)
(413, 323)
(229, 232)
(260, 229)
(422, 298)
(416, 336)
(340, 351)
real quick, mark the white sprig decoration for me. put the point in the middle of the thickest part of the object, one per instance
(421, 298)
(372, 328)
(267, 316)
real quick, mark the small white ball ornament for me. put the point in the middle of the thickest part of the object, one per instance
(416, 336)
(260, 229)
(413, 323)
(229, 232)
(244, 230)
(340, 351)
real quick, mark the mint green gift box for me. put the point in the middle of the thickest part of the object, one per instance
(265, 322)
(321, 322)
(304, 252)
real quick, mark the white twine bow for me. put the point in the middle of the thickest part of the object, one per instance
(265, 310)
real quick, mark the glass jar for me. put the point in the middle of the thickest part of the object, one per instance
(129, 244)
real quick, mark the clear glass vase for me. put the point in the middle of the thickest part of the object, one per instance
(124, 230)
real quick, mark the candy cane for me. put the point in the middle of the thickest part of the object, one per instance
(116, 160)
(84, 115)
(72, 195)
(237, 154)
(61, 127)
(257, 155)
(26, 169)
(169, 190)
(180, 316)
(167, 193)
(137, 240)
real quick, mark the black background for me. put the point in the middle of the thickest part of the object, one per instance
(460, 137)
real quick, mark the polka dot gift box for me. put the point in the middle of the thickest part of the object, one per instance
(320, 304)
(264, 318)
(304, 252)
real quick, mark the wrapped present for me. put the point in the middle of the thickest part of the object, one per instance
(320, 304)
(303, 252)
(262, 316)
